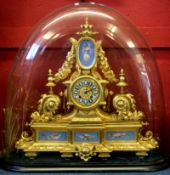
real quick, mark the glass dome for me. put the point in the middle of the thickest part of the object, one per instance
(47, 47)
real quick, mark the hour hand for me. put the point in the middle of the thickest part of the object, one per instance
(87, 90)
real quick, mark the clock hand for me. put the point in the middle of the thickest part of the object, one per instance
(87, 90)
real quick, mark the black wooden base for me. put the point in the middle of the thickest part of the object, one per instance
(119, 161)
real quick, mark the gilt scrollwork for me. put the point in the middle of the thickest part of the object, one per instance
(149, 138)
(49, 104)
(25, 138)
(47, 108)
(126, 108)
(125, 103)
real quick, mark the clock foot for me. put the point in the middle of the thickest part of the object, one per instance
(142, 154)
(31, 155)
(104, 155)
(67, 155)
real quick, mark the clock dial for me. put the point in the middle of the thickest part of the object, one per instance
(86, 92)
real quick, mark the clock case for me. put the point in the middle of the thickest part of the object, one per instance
(107, 128)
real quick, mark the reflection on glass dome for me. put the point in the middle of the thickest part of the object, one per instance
(73, 91)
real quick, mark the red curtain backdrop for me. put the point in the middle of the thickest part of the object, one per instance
(151, 17)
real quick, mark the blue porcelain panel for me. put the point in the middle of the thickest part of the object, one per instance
(86, 137)
(120, 135)
(53, 136)
(87, 53)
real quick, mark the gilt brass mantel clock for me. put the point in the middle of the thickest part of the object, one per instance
(87, 129)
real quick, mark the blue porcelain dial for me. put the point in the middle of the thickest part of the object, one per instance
(85, 92)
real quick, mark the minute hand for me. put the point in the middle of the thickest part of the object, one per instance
(86, 91)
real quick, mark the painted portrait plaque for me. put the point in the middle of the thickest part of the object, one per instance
(52, 136)
(120, 135)
(86, 53)
(86, 137)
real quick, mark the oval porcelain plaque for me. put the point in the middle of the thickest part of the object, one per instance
(86, 53)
